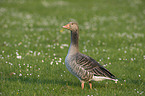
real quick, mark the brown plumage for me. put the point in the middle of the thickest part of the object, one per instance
(85, 68)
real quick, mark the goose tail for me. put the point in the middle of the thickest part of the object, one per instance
(100, 78)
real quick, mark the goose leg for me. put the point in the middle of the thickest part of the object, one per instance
(82, 85)
(90, 85)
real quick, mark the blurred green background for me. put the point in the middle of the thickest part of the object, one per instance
(33, 50)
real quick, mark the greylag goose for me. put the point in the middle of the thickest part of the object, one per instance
(85, 68)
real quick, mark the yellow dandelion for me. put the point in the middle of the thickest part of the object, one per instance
(61, 30)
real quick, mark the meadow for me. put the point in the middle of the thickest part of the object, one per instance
(33, 46)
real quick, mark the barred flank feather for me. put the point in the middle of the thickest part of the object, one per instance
(82, 66)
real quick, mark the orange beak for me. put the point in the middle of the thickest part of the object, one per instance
(66, 26)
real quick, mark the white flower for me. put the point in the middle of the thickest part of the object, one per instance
(104, 50)
(31, 51)
(125, 51)
(10, 63)
(66, 45)
(61, 47)
(51, 63)
(17, 53)
(19, 57)
(3, 51)
(141, 92)
(35, 53)
(20, 74)
(59, 61)
(38, 53)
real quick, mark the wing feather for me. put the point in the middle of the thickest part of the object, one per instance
(93, 66)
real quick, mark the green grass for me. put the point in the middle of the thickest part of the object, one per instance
(111, 32)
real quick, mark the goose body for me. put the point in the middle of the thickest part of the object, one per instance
(85, 68)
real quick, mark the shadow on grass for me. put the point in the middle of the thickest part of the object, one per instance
(45, 81)
(62, 82)
(72, 82)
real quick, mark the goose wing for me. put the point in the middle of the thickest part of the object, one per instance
(93, 66)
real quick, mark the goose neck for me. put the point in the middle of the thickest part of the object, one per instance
(74, 38)
(74, 43)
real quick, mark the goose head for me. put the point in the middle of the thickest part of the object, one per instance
(72, 26)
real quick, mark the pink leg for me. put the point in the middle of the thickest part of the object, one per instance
(82, 85)
(90, 85)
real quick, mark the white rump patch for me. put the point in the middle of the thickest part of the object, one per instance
(100, 78)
